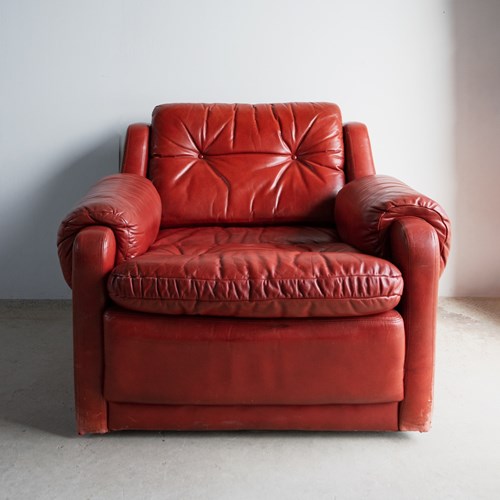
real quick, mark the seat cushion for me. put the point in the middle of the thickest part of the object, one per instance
(281, 271)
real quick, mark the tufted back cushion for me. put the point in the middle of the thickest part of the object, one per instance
(247, 164)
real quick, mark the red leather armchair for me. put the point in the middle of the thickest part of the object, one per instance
(248, 270)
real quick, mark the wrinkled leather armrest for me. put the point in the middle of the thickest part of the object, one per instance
(365, 209)
(128, 204)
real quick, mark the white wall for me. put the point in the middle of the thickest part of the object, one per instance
(477, 147)
(74, 74)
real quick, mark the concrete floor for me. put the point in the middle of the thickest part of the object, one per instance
(41, 457)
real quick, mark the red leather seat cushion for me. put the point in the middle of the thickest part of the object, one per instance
(280, 271)
(246, 164)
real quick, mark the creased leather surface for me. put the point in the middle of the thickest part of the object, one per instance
(127, 203)
(249, 164)
(365, 209)
(266, 166)
(191, 360)
(268, 271)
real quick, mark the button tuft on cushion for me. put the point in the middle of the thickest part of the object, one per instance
(247, 148)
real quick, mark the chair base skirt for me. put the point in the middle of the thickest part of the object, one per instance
(372, 417)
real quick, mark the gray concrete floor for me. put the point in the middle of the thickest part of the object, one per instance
(41, 457)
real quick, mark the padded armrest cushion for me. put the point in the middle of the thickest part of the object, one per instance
(129, 204)
(365, 208)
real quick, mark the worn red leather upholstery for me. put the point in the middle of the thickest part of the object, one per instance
(262, 362)
(265, 163)
(94, 253)
(367, 207)
(136, 150)
(129, 416)
(127, 203)
(270, 272)
(358, 152)
(415, 246)
(247, 270)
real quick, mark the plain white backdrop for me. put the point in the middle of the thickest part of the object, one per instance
(423, 75)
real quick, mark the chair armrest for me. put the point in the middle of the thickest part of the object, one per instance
(415, 251)
(94, 251)
(365, 209)
(128, 204)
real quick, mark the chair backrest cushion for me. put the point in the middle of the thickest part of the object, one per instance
(246, 164)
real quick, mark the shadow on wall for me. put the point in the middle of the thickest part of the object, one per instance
(477, 146)
(33, 241)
